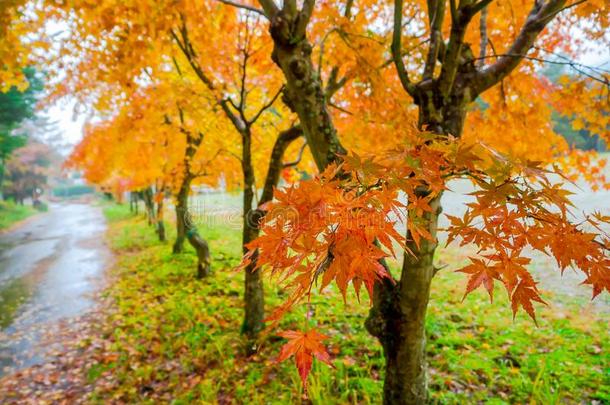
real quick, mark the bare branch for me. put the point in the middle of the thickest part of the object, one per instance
(270, 8)
(538, 18)
(304, 17)
(243, 6)
(348, 8)
(484, 38)
(396, 49)
(578, 67)
(275, 162)
(436, 12)
(333, 85)
(266, 106)
(189, 52)
(298, 159)
(343, 110)
(480, 6)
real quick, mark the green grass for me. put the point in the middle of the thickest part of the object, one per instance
(172, 337)
(11, 213)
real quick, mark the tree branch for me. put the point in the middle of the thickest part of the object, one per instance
(397, 52)
(298, 159)
(578, 67)
(436, 12)
(484, 38)
(189, 52)
(275, 162)
(304, 17)
(242, 6)
(537, 20)
(270, 8)
(266, 106)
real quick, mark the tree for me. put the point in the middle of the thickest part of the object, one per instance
(246, 89)
(134, 147)
(449, 80)
(16, 105)
(27, 172)
(434, 82)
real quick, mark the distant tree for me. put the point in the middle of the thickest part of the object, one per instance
(576, 136)
(27, 171)
(15, 107)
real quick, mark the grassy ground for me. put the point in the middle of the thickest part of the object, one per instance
(11, 213)
(172, 337)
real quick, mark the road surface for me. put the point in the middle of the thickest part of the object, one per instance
(49, 268)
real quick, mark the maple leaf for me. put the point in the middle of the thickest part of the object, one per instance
(480, 273)
(523, 295)
(304, 346)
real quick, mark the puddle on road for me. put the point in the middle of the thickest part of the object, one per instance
(12, 296)
(48, 271)
(16, 293)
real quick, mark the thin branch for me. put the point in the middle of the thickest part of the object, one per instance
(298, 159)
(333, 105)
(539, 16)
(574, 65)
(333, 85)
(404, 53)
(322, 44)
(242, 6)
(266, 106)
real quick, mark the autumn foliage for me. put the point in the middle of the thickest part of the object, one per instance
(340, 226)
(390, 103)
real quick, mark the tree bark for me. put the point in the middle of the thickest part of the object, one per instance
(398, 319)
(160, 223)
(181, 214)
(201, 248)
(304, 94)
(147, 196)
(1, 178)
(254, 292)
(186, 229)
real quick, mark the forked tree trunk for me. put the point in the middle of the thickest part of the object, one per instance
(186, 229)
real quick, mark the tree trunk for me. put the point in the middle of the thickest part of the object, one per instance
(398, 315)
(147, 196)
(1, 178)
(202, 249)
(254, 293)
(181, 215)
(398, 319)
(304, 94)
(254, 299)
(160, 223)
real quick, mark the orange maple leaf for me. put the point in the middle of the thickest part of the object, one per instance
(304, 346)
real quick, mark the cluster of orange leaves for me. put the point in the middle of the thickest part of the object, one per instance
(340, 225)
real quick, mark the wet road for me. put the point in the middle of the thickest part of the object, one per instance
(49, 267)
